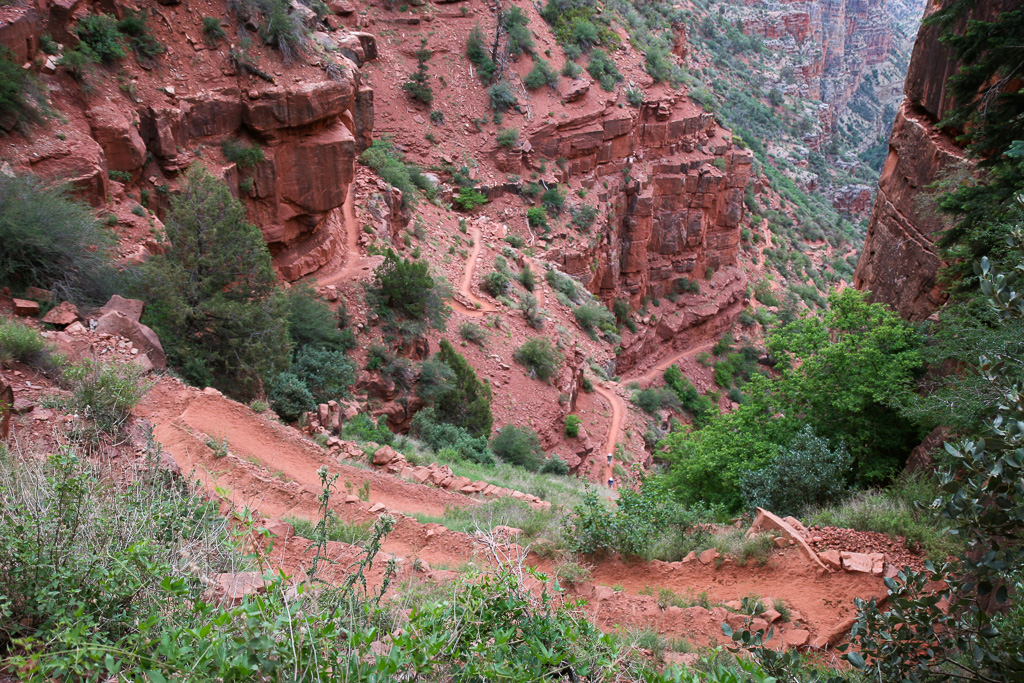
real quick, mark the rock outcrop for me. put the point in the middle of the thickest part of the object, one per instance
(899, 264)
(134, 136)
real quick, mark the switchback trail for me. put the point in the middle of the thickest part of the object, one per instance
(349, 265)
(614, 430)
(466, 286)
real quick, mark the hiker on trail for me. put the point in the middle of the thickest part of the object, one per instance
(611, 482)
(609, 458)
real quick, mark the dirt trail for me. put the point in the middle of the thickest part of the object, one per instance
(466, 286)
(349, 264)
(271, 468)
(659, 368)
(614, 430)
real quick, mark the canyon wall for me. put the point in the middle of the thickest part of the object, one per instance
(133, 135)
(673, 184)
(899, 264)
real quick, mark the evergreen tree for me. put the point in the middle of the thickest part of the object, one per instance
(214, 300)
(457, 395)
(418, 85)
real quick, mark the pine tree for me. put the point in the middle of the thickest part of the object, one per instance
(214, 299)
(418, 85)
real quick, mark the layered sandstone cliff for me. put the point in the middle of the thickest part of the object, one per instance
(900, 263)
(128, 138)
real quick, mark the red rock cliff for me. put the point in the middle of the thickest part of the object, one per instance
(899, 264)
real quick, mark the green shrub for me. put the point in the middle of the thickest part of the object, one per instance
(418, 83)
(648, 523)
(685, 284)
(808, 472)
(49, 240)
(496, 283)
(213, 295)
(508, 137)
(134, 25)
(583, 216)
(764, 294)
(530, 307)
(527, 279)
(472, 333)
(103, 393)
(502, 97)
(592, 316)
(563, 284)
(245, 156)
(653, 399)
(603, 70)
(571, 69)
(518, 446)
(21, 343)
(620, 309)
(478, 54)
(635, 96)
(406, 289)
(537, 217)
(337, 530)
(450, 386)
(16, 89)
(469, 198)
(441, 435)
(327, 374)
(100, 38)
(572, 425)
(391, 166)
(539, 357)
(312, 323)
(213, 33)
(515, 241)
(553, 200)
(517, 30)
(363, 428)
(540, 75)
(700, 407)
(554, 465)
(290, 397)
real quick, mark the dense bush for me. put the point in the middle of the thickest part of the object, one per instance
(518, 446)
(17, 88)
(441, 435)
(502, 97)
(537, 217)
(863, 348)
(290, 397)
(554, 465)
(391, 166)
(213, 295)
(700, 407)
(469, 198)
(406, 289)
(540, 75)
(517, 30)
(450, 385)
(363, 428)
(603, 70)
(21, 343)
(646, 522)
(539, 357)
(135, 26)
(572, 426)
(473, 333)
(246, 157)
(591, 316)
(311, 322)
(49, 240)
(563, 284)
(478, 54)
(496, 283)
(654, 399)
(507, 137)
(553, 200)
(104, 394)
(327, 373)
(100, 38)
(583, 216)
(809, 471)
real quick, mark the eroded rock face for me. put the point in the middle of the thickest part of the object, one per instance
(899, 264)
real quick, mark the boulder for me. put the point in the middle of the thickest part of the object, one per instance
(378, 507)
(26, 308)
(708, 556)
(144, 338)
(62, 315)
(796, 638)
(279, 529)
(384, 455)
(118, 137)
(831, 559)
(230, 589)
(867, 563)
(129, 308)
(576, 90)
(458, 483)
